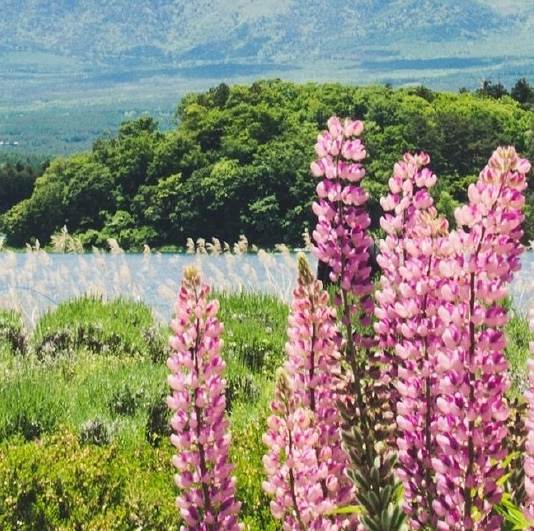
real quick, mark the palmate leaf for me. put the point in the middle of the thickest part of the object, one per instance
(513, 516)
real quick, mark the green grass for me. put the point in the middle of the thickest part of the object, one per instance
(84, 429)
(517, 351)
(255, 330)
(86, 399)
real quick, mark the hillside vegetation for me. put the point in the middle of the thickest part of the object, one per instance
(238, 162)
(72, 70)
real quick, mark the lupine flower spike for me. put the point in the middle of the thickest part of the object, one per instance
(305, 464)
(343, 243)
(406, 310)
(475, 272)
(200, 430)
(528, 509)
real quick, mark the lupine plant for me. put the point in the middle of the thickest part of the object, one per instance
(401, 390)
(441, 312)
(406, 302)
(528, 507)
(343, 243)
(200, 430)
(306, 465)
(437, 357)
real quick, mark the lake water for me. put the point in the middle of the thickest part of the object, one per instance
(33, 282)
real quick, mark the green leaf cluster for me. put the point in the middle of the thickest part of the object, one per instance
(57, 483)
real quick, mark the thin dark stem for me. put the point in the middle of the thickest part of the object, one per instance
(200, 421)
(311, 390)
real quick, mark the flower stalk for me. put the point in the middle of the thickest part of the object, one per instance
(200, 430)
(343, 243)
(305, 463)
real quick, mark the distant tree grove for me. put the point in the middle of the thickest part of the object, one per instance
(237, 162)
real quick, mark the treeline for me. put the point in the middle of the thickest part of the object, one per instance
(238, 160)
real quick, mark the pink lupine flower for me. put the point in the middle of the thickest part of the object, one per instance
(306, 464)
(440, 311)
(406, 309)
(200, 429)
(484, 257)
(343, 244)
(528, 509)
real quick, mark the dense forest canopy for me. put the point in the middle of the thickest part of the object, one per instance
(237, 162)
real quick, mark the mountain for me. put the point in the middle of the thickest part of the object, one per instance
(147, 53)
(179, 32)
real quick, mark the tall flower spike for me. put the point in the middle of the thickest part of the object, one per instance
(471, 369)
(341, 235)
(305, 464)
(343, 244)
(200, 430)
(528, 509)
(406, 310)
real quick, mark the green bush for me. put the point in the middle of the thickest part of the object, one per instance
(126, 400)
(96, 432)
(86, 436)
(120, 327)
(158, 424)
(58, 484)
(12, 331)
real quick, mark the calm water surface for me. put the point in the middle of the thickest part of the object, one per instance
(33, 282)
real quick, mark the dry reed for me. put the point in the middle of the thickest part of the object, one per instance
(36, 280)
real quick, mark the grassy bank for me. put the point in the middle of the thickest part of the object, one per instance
(83, 424)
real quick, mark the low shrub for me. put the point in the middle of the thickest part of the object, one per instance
(97, 432)
(126, 400)
(158, 427)
(119, 327)
(57, 483)
(12, 332)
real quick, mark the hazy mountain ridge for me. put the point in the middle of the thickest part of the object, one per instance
(96, 62)
(175, 31)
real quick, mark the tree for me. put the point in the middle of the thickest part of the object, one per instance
(523, 93)
(16, 183)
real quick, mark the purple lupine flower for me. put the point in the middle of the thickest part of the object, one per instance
(440, 309)
(342, 243)
(200, 430)
(528, 509)
(341, 235)
(306, 464)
